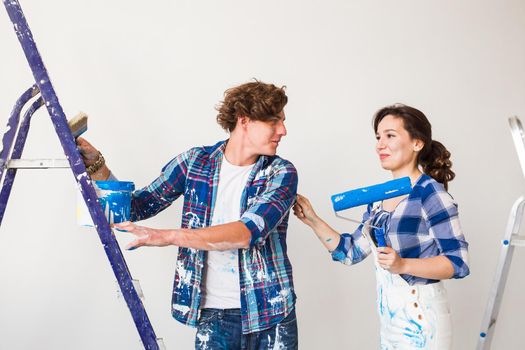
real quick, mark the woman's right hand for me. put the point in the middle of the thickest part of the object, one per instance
(304, 211)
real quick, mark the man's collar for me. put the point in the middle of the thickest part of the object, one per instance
(218, 151)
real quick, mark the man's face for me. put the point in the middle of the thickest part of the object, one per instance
(264, 136)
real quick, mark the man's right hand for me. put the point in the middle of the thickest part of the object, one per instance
(90, 156)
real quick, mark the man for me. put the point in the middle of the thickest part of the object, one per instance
(233, 278)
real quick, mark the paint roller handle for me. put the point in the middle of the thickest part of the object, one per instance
(380, 237)
(90, 156)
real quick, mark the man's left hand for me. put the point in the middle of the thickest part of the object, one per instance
(146, 236)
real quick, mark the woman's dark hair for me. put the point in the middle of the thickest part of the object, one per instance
(255, 100)
(434, 158)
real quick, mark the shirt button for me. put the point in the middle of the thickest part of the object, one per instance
(420, 317)
(415, 304)
(413, 291)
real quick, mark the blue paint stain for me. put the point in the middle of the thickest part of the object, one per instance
(391, 313)
(115, 199)
(338, 255)
(380, 297)
(416, 336)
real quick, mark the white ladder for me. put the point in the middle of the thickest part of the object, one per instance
(510, 240)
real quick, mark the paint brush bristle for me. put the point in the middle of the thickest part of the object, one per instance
(78, 125)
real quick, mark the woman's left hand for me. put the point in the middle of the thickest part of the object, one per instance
(390, 260)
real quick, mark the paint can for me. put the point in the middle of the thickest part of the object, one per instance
(115, 199)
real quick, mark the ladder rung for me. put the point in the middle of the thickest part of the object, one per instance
(37, 163)
(518, 241)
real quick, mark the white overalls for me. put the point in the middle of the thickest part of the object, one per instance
(411, 317)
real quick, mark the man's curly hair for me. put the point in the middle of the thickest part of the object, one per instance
(255, 100)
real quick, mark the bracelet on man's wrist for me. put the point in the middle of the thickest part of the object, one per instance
(99, 163)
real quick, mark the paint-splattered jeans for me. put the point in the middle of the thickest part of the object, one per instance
(221, 329)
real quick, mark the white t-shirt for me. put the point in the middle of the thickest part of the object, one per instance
(221, 288)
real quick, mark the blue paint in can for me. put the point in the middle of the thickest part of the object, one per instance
(115, 199)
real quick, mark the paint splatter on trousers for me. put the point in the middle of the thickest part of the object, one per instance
(412, 317)
(221, 329)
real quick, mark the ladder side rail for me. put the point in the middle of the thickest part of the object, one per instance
(59, 120)
(516, 130)
(513, 226)
(500, 278)
(18, 149)
(12, 125)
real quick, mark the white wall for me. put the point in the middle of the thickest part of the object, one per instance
(149, 77)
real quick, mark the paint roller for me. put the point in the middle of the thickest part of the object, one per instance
(368, 195)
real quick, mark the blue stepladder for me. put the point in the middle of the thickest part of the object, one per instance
(511, 239)
(13, 141)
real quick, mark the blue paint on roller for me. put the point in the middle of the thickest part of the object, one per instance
(371, 194)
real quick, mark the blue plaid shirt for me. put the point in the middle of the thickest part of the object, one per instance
(423, 225)
(265, 272)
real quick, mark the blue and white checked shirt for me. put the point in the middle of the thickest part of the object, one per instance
(265, 272)
(423, 225)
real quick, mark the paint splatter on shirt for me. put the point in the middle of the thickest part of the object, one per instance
(264, 268)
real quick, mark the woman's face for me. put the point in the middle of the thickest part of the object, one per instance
(396, 149)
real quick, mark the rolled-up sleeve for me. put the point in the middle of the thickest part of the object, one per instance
(352, 248)
(165, 189)
(443, 224)
(268, 209)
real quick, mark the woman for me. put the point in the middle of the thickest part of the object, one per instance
(425, 243)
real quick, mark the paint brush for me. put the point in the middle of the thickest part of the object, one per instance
(78, 124)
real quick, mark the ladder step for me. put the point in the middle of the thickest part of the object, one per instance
(138, 288)
(160, 343)
(518, 241)
(37, 163)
